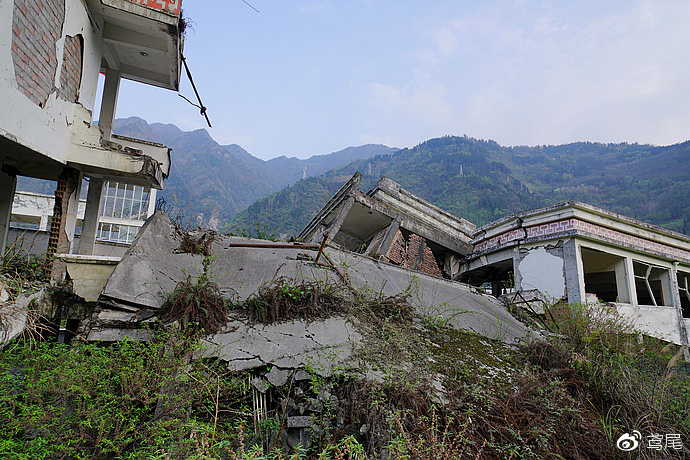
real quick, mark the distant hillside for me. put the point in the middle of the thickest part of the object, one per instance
(483, 181)
(213, 182)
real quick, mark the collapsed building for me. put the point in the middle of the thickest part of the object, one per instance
(581, 253)
(392, 224)
(572, 251)
(48, 80)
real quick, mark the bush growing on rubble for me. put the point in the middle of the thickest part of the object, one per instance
(635, 382)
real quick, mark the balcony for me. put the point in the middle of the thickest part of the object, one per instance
(142, 39)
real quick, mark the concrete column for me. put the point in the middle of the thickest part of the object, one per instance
(388, 239)
(574, 271)
(675, 298)
(72, 213)
(152, 202)
(43, 224)
(89, 230)
(630, 276)
(622, 282)
(344, 211)
(8, 185)
(111, 88)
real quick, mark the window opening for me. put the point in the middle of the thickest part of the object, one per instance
(649, 283)
(684, 292)
(604, 275)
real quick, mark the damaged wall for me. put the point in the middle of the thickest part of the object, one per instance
(50, 60)
(412, 253)
(542, 268)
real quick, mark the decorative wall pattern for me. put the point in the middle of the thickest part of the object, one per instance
(171, 6)
(565, 225)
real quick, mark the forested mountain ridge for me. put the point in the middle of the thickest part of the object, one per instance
(482, 181)
(210, 182)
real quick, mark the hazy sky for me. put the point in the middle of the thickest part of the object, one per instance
(309, 77)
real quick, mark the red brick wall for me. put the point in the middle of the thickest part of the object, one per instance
(413, 254)
(70, 75)
(396, 253)
(36, 26)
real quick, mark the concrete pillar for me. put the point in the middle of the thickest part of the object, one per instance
(388, 239)
(630, 276)
(87, 243)
(622, 282)
(8, 185)
(574, 271)
(675, 298)
(43, 224)
(152, 202)
(72, 214)
(338, 222)
(111, 88)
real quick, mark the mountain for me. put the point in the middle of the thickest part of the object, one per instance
(210, 182)
(482, 181)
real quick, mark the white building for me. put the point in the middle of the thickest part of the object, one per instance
(581, 253)
(123, 211)
(50, 59)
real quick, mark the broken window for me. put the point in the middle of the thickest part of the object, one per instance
(651, 284)
(684, 292)
(605, 276)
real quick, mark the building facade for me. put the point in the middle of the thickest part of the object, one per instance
(51, 55)
(581, 253)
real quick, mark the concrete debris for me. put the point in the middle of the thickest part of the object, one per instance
(320, 345)
(277, 377)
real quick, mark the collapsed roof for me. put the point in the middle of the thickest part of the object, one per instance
(390, 223)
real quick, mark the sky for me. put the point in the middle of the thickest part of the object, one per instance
(310, 77)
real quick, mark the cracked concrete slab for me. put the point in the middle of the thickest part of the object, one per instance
(153, 266)
(320, 345)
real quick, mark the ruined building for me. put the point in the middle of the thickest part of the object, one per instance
(572, 251)
(50, 61)
(391, 224)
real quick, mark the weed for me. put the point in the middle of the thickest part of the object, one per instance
(197, 304)
(287, 299)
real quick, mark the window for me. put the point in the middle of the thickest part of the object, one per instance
(605, 275)
(651, 284)
(117, 233)
(124, 201)
(684, 291)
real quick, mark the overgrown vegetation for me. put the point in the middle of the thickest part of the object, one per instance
(416, 388)
(23, 272)
(634, 382)
(287, 299)
(197, 305)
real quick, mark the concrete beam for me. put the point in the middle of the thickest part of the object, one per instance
(131, 39)
(388, 239)
(335, 228)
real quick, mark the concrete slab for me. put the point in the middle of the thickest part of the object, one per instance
(319, 345)
(153, 266)
(89, 273)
